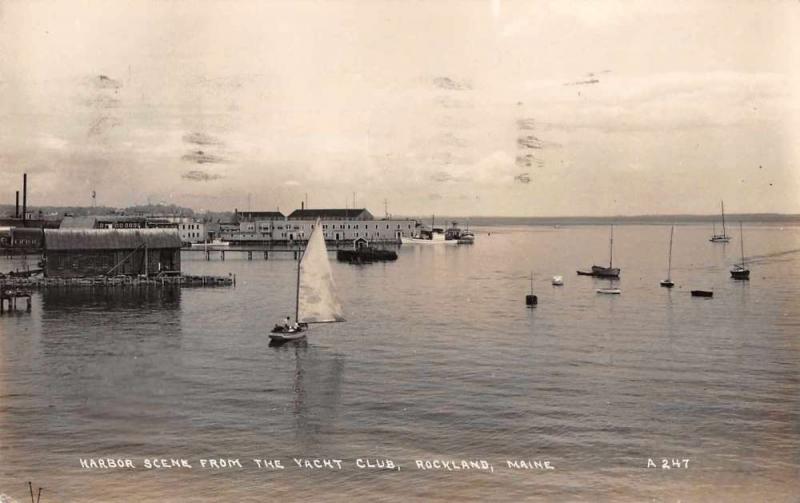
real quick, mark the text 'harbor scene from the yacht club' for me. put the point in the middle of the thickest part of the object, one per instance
(380, 251)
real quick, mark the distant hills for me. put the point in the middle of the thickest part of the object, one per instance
(53, 212)
(226, 216)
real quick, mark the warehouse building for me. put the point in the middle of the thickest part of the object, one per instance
(77, 253)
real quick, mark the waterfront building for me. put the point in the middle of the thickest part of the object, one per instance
(191, 230)
(338, 225)
(76, 253)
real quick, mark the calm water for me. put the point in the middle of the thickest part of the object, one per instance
(439, 359)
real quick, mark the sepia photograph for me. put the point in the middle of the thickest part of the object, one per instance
(387, 250)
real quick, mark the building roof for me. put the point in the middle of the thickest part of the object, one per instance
(78, 222)
(311, 214)
(264, 215)
(110, 239)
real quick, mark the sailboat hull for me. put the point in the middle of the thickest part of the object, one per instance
(281, 334)
(667, 283)
(605, 272)
(720, 239)
(421, 241)
(743, 274)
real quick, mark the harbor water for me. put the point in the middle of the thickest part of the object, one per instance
(439, 359)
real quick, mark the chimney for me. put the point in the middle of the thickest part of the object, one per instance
(16, 208)
(302, 205)
(24, 197)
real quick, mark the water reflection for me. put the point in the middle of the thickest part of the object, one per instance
(316, 385)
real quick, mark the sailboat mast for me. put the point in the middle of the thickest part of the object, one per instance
(297, 293)
(669, 260)
(611, 249)
(722, 205)
(531, 282)
(741, 241)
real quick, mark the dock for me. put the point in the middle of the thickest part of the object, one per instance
(184, 280)
(9, 296)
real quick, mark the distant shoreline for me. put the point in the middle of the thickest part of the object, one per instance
(762, 218)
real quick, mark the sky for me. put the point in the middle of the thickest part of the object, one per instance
(495, 107)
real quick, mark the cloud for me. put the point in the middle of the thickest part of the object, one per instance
(451, 84)
(102, 124)
(582, 82)
(201, 139)
(201, 157)
(105, 82)
(200, 176)
(443, 176)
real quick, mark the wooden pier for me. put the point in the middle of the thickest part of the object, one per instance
(183, 280)
(10, 296)
(249, 252)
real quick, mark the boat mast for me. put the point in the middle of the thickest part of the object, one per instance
(611, 249)
(297, 293)
(531, 282)
(722, 204)
(669, 260)
(741, 241)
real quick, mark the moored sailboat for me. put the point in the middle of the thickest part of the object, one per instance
(601, 271)
(720, 238)
(315, 299)
(668, 282)
(739, 271)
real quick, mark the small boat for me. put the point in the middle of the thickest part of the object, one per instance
(362, 253)
(211, 244)
(668, 282)
(467, 237)
(558, 280)
(531, 300)
(610, 291)
(434, 235)
(702, 293)
(720, 238)
(601, 271)
(739, 271)
(315, 299)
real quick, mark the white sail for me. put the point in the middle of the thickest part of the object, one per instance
(316, 296)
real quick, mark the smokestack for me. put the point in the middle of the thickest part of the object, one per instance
(302, 205)
(16, 208)
(24, 197)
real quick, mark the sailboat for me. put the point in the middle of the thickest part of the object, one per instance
(668, 282)
(739, 271)
(531, 300)
(605, 272)
(315, 298)
(720, 238)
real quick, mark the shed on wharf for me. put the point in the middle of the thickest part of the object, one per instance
(78, 253)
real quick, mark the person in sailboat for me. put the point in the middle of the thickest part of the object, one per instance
(287, 324)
